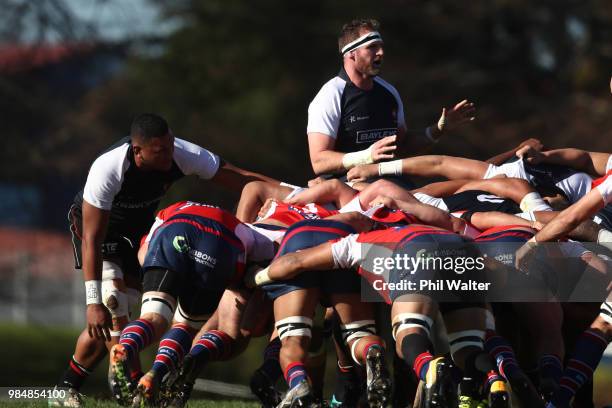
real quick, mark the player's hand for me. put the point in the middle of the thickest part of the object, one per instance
(530, 155)
(362, 172)
(459, 114)
(525, 255)
(265, 207)
(384, 148)
(383, 200)
(315, 181)
(98, 322)
(534, 143)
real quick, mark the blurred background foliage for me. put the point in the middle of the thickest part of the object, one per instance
(237, 78)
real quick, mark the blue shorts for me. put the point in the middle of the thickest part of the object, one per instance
(307, 234)
(502, 245)
(202, 258)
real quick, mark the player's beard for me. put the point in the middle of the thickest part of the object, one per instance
(371, 69)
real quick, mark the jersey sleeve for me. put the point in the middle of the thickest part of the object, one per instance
(193, 159)
(609, 164)
(346, 252)
(105, 178)
(605, 189)
(515, 169)
(325, 109)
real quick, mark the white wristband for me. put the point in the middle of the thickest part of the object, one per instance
(350, 160)
(262, 278)
(93, 292)
(605, 238)
(391, 168)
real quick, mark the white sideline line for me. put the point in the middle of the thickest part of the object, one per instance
(225, 389)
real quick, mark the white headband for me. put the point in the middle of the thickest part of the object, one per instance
(369, 38)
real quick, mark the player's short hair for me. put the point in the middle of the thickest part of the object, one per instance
(350, 31)
(147, 126)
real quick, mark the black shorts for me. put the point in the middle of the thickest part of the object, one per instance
(116, 248)
(194, 300)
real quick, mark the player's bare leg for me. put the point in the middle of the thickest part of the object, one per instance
(293, 313)
(367, 348)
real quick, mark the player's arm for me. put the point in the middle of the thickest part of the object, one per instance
(590, 162)
(325, 159)
(254, 195)
(292, 264)
(329, 191)
(450, 167)
(534, 144)
(234, 178)
(571, 217)
(426, 213)
(95, 223)
(490, 219)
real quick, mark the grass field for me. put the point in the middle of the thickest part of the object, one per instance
(36, 356)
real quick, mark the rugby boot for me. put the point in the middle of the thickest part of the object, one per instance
(263, 388)
(119, 378)
(439, 389)
(147, 391)
(499, 396)
(180, 397)
(66, 398)
(524, 390)
(299, 396)
(377, 379)
(548, 388)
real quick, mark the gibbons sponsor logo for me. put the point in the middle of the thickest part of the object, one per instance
(180, 244)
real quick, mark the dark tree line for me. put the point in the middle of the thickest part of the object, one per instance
(237, 77)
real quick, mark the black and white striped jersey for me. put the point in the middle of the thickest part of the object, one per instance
(354, 117)
(132, 195)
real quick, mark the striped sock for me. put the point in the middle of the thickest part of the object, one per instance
(271, 366)
(75, 375)
(172, 348)
(587, 354)
(492, 376)
(136, 336)
(502, 352)
(295, 373)
(550, 368)
(213, 345)
(421, 365)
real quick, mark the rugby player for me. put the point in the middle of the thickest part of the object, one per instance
(194, 262)
(109, 216)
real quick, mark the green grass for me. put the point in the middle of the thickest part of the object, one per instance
(37, 356)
